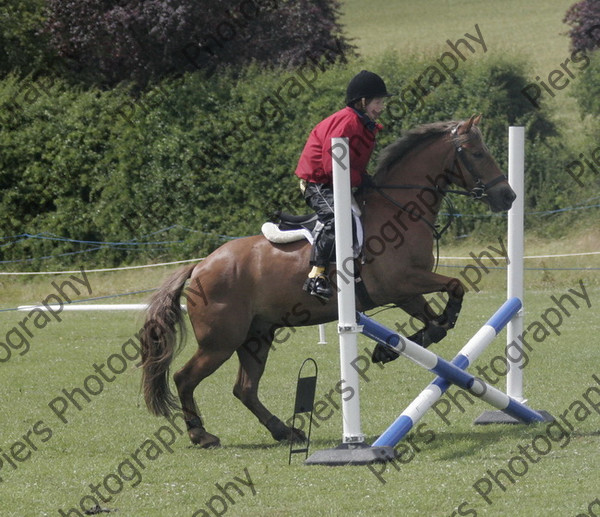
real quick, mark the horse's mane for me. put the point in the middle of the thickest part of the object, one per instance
(408, 142)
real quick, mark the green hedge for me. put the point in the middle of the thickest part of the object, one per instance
(213, 157)
(587, 88)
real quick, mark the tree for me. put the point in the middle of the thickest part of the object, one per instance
(108, 41)
(23, 50)
(584, 19)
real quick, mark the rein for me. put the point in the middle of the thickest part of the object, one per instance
(436, 233)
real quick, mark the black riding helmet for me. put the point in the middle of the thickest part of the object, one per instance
(367, 85)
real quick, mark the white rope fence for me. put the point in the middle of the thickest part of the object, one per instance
(104, 270)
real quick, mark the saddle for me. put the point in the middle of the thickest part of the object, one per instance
(292, 228)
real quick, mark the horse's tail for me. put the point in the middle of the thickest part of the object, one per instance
(159, 343)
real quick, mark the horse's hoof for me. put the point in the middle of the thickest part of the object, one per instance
(279, 431)
(291, 435)
(283, 433)
(429, 335)
(434, 334)
(382, 354)
(296, 436)
(203, 439)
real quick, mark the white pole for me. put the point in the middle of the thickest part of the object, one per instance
(322, 335)
(347, 327)
(87, 307)
(514, 329)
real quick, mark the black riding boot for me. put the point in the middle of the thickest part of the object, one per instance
(318, 286)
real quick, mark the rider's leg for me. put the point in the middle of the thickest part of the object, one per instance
(320, 198)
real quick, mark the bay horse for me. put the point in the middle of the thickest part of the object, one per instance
(243, 292)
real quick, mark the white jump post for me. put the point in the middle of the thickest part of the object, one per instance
(347, 327)
(515, 279)
(353, 450)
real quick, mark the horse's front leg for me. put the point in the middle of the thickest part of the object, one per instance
(435, 325)
(447, 319)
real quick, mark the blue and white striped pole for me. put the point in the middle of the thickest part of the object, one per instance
(467, 355)
(448, 372)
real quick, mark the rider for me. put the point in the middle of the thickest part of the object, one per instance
(365, 101)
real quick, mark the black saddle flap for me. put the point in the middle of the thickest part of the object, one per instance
(294, 222)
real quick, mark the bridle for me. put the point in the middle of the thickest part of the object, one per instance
(479, 190)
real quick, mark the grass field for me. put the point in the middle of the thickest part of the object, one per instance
(532, 29)
(56, 453)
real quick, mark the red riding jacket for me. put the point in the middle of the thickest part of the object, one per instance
(315, 161)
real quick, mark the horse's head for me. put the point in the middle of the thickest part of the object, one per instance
(474, 169)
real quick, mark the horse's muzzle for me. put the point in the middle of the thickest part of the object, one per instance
(500, 198)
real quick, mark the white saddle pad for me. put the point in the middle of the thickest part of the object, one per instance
(273, 234)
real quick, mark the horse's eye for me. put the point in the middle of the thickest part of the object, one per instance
(478, 154)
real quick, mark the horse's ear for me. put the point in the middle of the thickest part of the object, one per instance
(477, 120)
(466, 127)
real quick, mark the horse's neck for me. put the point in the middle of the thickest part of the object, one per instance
(416, 207)
(420, 172)
(424, 166)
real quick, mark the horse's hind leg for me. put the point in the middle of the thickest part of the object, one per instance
(201, 365)
(253, 357)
